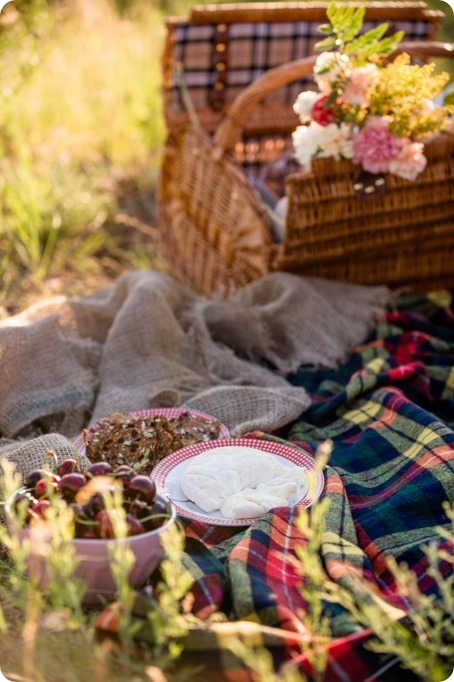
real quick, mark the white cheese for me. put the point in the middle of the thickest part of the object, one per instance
(241, 482)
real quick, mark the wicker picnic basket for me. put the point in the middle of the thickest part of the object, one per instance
(243, 66)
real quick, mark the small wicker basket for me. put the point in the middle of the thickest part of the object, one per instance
(215, 228)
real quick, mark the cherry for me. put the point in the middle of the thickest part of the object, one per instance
(24, 499)
(104, 525)
(134, 525)
(77, 510)
(138, 508)
(48, 484)
(94, 505)
(140, 488)
(159, 513)
(70, 484)
(34, 476)
(68, 466)
(41, 487)
(91, 519)
(87, 532)
(124, 473)
(98, 469)
(38, 511)
(81, 522)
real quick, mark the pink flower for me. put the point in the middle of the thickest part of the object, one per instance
(427, 106)
(359, 83)
(410, 161)
(375, 146)
(320, 114)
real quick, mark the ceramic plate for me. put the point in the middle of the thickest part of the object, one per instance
(168, 472)
(169, 412)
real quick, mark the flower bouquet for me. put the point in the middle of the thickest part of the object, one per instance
(374, 114)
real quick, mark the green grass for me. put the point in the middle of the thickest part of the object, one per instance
(85, 123)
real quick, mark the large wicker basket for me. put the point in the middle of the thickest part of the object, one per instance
(215, 229)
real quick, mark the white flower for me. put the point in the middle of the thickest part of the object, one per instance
(304, 103)
(306, 143)
(336, 141)
(316, 140)
(329, 67)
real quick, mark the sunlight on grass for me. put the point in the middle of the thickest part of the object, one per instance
(96, 94)
(85, 120)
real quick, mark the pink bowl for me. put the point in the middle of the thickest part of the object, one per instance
(94, 562)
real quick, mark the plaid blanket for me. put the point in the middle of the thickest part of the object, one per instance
(389, 411)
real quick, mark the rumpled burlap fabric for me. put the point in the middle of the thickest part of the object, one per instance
(147, 341)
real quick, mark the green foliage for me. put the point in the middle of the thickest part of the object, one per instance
(72, 134)
(313, 578)
(422, 637)
(32, 231)
(24, 28)
(121, 564)
(346, 22)
(170, 619)
(24, 587)
(259, 662)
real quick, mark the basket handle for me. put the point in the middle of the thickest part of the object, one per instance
(308, 11)
(230, 128)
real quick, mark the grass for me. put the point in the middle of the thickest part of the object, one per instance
(81, 140)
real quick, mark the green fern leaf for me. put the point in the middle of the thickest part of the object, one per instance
(333, 12)
(387, 45)
(326, 44)
(354, 28)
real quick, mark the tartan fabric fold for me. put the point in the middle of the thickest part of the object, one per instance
(389, 412)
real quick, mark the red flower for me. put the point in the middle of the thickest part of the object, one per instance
(321, 114)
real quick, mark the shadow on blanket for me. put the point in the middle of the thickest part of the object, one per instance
(389, 411)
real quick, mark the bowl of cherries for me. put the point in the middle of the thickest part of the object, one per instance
(147, 515)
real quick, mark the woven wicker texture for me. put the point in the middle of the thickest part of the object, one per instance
(216, 232)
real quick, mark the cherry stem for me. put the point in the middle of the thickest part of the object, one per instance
(154, 516)
(84, 522)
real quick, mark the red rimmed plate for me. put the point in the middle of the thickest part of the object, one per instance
(168, 412)
(168, 472)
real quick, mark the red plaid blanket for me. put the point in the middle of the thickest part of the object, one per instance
(390, 413)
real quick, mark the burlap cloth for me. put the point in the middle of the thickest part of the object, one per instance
(147, 342)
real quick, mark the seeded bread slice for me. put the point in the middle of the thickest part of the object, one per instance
(141, 442)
